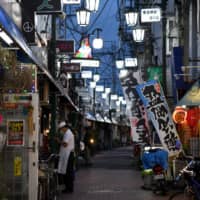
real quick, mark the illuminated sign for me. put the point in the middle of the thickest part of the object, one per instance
(86, 74)
(65, 46)
(85, 50)
(86, 62)
(70, 67)
(150, 15)
(71, 1)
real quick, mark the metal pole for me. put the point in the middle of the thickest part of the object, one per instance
(164, 4)
(52, 99)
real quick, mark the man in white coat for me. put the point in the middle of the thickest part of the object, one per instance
(66, 156)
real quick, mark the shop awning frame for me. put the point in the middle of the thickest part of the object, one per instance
(13, 31)
(192, 96)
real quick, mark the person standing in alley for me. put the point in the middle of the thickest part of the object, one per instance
(66, 156)
(87, 142)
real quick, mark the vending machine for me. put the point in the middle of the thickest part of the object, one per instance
(19, 132)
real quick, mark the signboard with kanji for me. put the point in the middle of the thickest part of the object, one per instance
(65, 46)
(154, 101)
(150, 15)
(70, 67)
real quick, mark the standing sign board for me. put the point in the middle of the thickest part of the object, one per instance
(153, 99)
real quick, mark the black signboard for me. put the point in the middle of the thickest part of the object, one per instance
(65, 46)
(28, 22)
(70, 67)
(40, 7)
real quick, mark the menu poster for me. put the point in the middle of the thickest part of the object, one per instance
(15, 131)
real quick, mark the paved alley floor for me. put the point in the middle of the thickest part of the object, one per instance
(112, 177)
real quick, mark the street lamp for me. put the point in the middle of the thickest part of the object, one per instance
(97, 42)
(92, 5)
(83, 16)
(138, 34)
(120, 60)
(96, 77)
(131, 17)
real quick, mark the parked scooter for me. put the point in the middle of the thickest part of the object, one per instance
(156, 159)
(159, 180)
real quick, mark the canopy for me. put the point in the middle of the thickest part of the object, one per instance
(192, 97)
(13, 31)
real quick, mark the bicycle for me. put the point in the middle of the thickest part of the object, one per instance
(191, 175)
(48, 185)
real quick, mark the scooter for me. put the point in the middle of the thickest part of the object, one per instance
(159, 180)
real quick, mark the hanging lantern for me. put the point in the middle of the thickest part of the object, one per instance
(119, 64)
(97, 42)
(96, 77)
(138, 34)
(83, 16)
(92, 5)
(179, 115)
(131, 18)
(193, 117)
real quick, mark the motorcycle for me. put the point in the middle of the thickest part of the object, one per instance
(159, 180)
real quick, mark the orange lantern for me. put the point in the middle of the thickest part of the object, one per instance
(179, 115)
(193, 116)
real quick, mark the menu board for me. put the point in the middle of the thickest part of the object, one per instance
(15, 131)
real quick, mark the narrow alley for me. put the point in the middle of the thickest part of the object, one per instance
(112, 176)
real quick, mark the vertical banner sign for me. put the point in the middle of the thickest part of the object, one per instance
(41, 7)
(135, 109)
(28, 22)
(153, 99)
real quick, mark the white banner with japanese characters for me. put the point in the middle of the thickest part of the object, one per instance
(154, 101)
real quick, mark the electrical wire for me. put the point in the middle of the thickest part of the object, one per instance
(99, 14)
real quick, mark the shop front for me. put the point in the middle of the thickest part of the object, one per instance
(186, 116)
(20, 113)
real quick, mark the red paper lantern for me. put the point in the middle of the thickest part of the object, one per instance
(179, 115)
(193, 117)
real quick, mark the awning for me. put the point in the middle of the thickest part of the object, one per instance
(99, 118)
(13, 31)
(192, 97)
(89, 116)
